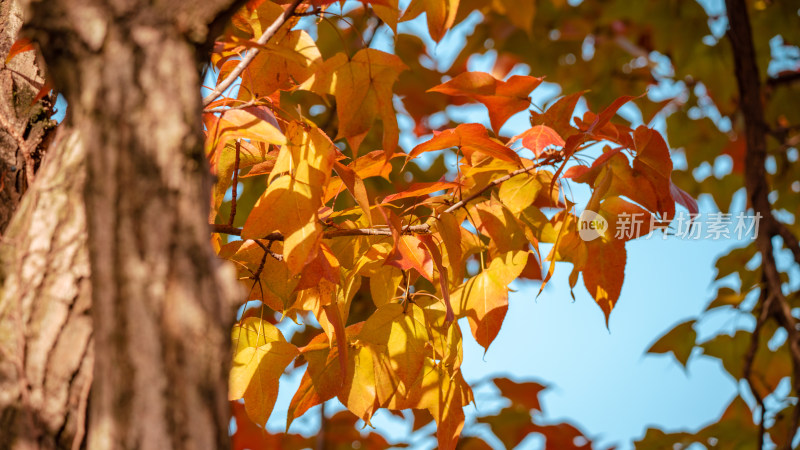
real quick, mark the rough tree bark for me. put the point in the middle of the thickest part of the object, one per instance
(160, 303)
(20, 118)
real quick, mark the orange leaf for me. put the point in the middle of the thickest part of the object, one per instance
(503, 99)
(420, 189)
(255, 123)
(363, 90)
(525, 395)
(21, 45)
(470, 138)
(653, 161)
(559, 115)
(411, 253)
(538, 138)
(483, 299)
(290, 60)
(603, 277)
(356, 187)
(441, 15)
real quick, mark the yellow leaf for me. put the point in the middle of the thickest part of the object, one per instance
(519, 192)
(401, 335)
(483, 299)
(289, 61)
(261, 354)
(364, 91)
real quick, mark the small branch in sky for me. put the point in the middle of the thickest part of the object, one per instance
(248, 58)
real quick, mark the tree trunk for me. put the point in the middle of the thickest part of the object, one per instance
(45, 322)
(20, 117)
(161, 303)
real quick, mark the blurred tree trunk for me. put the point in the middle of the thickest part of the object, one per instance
(110, 280)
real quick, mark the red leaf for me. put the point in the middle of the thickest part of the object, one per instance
(683, 198)
(538, 138)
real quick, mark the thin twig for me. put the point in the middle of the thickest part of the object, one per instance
(749, 357)
(267, 251)
(235, 186)
(248, 58)
(375, 231)
(547, 161)
(224, 108)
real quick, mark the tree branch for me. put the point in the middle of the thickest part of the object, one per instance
(550, 158)
(783, 78)
(375, 231)
(248, 58)
(747, 75)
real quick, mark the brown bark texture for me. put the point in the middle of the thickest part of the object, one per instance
(111, 246)
(21, 119)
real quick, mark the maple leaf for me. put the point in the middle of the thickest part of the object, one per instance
(260, 356)
(363, 90)
(470, 138)
(483, 299)
(503, 99)
(679, 341)
(524, 395)
(604, 276)
(558, 116)
(255, 123)
(538, 138)
(441, 15)
(290, 203)
(281, 65)
(397, 336)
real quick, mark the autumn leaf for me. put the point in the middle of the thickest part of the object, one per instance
(356, 187)
(679, 341)
(653, 161)
(503, 99)
(398, 335)
(483, 299)
(524, 395)
(538, 138)
(281, 65)
(471, 139)
(291, 201)
(260, 356)
(420, 189)
(441, 15)
(411, 253)
(558, 116)
(603, 278)
(255, 123)
(363, 90)
(519, 192)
